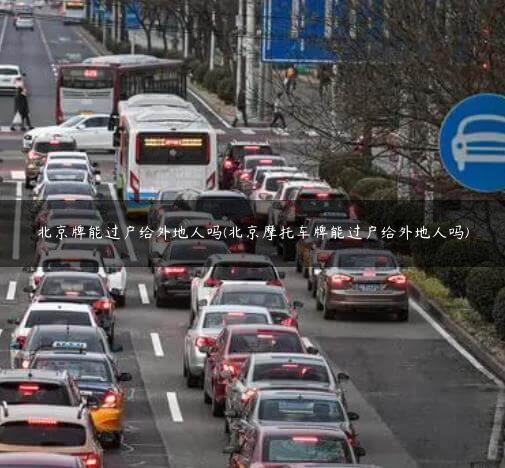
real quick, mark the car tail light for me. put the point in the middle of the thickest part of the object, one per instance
(172, 272)
(21, 340)
(212, 282)
(322, 195)
(238, 248)
(398, 281)
(323, 257)
(248, 394)
(28, 389)
(228, 164)
(230, 367)
(34, 155)
(25, 364)
(340, 281)
(289, 322)
(42, 422)
(305, 439)
(110, 400)
(245, 176)
(37, 279)
(202, 341)
(351, 437)
(274, 282)
(91, 460)
(104, 305)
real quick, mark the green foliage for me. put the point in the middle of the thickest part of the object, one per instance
(213, 78)
(499, 314)
(482, 285)
(226, 90)
(368, 185)
(454, 260)
(336, 171)
(199, 72)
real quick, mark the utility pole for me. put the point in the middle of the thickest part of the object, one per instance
(249, 54)
(240, 32)
(186, 30)
(212, 42)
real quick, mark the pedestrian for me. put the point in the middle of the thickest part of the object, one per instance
(21, 110)
(278, 116)
(290, 80)
(241, 109)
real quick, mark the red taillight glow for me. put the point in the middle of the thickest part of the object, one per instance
(323, 257)
(248, 394)
(110, 400)
(322, 195)
(305, 439)
(228, 164)
(91, 460)
(290, 366)
(203, 341)
(212, 283)
(42, 422)
(34, 155)
(102, 304)
(245, 176)
(28, 389)
(289, 322)
(37, 279)
(274, 282)
(398, 281)
(171, 272)
(21, 340)
(339, 281)
(238, 248)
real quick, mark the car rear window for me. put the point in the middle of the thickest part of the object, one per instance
(349, 243)
(71, 287)
(67, 188)
(46, 147)
(244, 272)
(224, 207)
(273, 183)
(87, 266)
(291, 371)
(106, 250)
(59, 165)
(44, 339)
(274, 162)
(71, 204)
(323, 203)
(238, 152)
(255, 298)
(366, 260)
(57, 317)
(265, 342)
(79, 369)
(306, 449)
(62, 175)
(8, 72)
(301, 410)
(222, 319)
(197, 252)
(37, 432)
(34, 393)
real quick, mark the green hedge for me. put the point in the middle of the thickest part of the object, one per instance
(226, 90)
(482, 285)
(367, 186)
(499, 314)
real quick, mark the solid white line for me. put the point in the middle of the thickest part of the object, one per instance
(247, 131)
(2, 34)
(175, 410)
(11, 291)
(144, 297)
(18, 175)
(17, 221)
(307, 342)
(46, 45)
(220, 131)
(212, 111)
(493, 453)
(158, 350)
(122, 223)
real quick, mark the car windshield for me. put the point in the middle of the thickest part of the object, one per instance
(238, 152)
(244, 272)
(252, 163)
(46, 147)
(301, 410)
(72, 287)
(265, 342)
(255, 298)
(196, 252)
(222, 319)
(86, 266)
(107, 251)
(73, 121)
(305, 449)
(291, 371)
(9, 71)
(225, 207)
(62, 175)
(79, 369)
(36, 432)
(34, 393)
(56, 164)
(360, 261)
(57, 317)
(44, 339)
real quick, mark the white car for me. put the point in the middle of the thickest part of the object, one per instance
(261, 197)
(11, 78)
(69, 162)
(49, 313)
(204, 330)
(91, 132)
(24, 22)
(61, 175)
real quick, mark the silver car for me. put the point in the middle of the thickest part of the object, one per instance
(206, 326)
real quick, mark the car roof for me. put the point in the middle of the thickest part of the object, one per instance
(301, 429)
(221, 194)
(263, 358)
(67, 154)
(73, 197)
(70, 274)
(83, 356)
(235, 308)
(68, 414)
(39, 375)
(272, 174)
(330, 190)
(20, 459)
(71, 222)
(65, 254)
(240, 258)
(248, 143)
(65, 306)
(16, 67)
(85, 213)
(80, 329)
(68, 160)
(261, 327)
(246, 286)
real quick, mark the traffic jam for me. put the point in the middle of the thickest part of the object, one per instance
(280, 401)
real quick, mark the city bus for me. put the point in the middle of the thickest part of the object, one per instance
(160, 147)
(96, 85)
(73, 11)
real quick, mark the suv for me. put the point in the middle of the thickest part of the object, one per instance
(307, 203)
(36, 157)
(233, 156)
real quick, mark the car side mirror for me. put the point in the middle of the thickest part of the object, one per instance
(117, 348)
(298, 304)
(124, 377)
(352, 416)
(342, 377)
(312, 350)
(282, 274)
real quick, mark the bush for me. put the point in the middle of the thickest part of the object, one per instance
(499, 314)
(368, 185)
(482, 285)
(200, 72)
(213, 78)
(455, 258)
(226, 90)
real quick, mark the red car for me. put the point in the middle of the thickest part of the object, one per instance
(232, 347)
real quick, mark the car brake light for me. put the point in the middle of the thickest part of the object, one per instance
(340, 281)
(212, 283)
(398, 281)
(251, 147)
(37, 279)
(54, 142)
(238, 248)
(290, 366)
(21, 340)
(229, 367)
(42, 422)
(228, 164)
(274, 282)
(264, 162)
(110, 400)
(90, 460)
(248, 394)
(305, 439)
(323, 257)
(202, 341)
(102, 304)
(28, 389)
(169, 272)
(245, 176)
(289, 322)
(34, 155)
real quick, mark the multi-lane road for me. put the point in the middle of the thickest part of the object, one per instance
(422, 401)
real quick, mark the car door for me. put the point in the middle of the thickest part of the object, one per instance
(237, 388)
(87, 133)
(103, 134)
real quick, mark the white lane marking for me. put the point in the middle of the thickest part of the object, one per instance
(46, 45)
(307, 342)
(144, 297)
(248, 131)
(158, 350)
(212, 111)
(122, 223)
(17, 221)
(18, 175)
(494, 449)
(175, 409)
(220, 131)
(11, 291)
(2, 34)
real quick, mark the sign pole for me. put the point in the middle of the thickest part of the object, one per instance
(212, 42)
(132, 42)
(240, 32)
(249, 54)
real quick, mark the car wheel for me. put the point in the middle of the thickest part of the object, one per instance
(217, 408)
(192, 381)
(319, 305)
(28, 184)
(121, 300)
(159, 302)
(328, 314)
(206, 398)
(309, 285)
(117, 438)
(403, 315)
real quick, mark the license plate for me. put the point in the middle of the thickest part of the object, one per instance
(331, 214)
(368, 287)
(86, 393)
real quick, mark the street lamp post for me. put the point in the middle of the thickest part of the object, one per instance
(249, 54)
(240, 32)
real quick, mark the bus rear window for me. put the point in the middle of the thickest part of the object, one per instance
(43, 433)
(86, 78)
(177, 149)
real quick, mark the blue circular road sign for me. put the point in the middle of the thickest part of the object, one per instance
(472, 143)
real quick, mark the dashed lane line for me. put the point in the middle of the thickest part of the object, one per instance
(174, 407)
(11, 291)
(248, 131)
(158, 350)
(46, 46)
(144, 297)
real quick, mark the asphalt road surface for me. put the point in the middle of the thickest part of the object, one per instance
(422, 402)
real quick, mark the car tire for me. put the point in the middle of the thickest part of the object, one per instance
(117, 438)
(121, 300)
(328, 314)
(319, 305)
(28, 184)
(206, 398)
(216, 408)
(403, 315)
(192, 381)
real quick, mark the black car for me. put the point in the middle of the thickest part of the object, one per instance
(181, 261)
